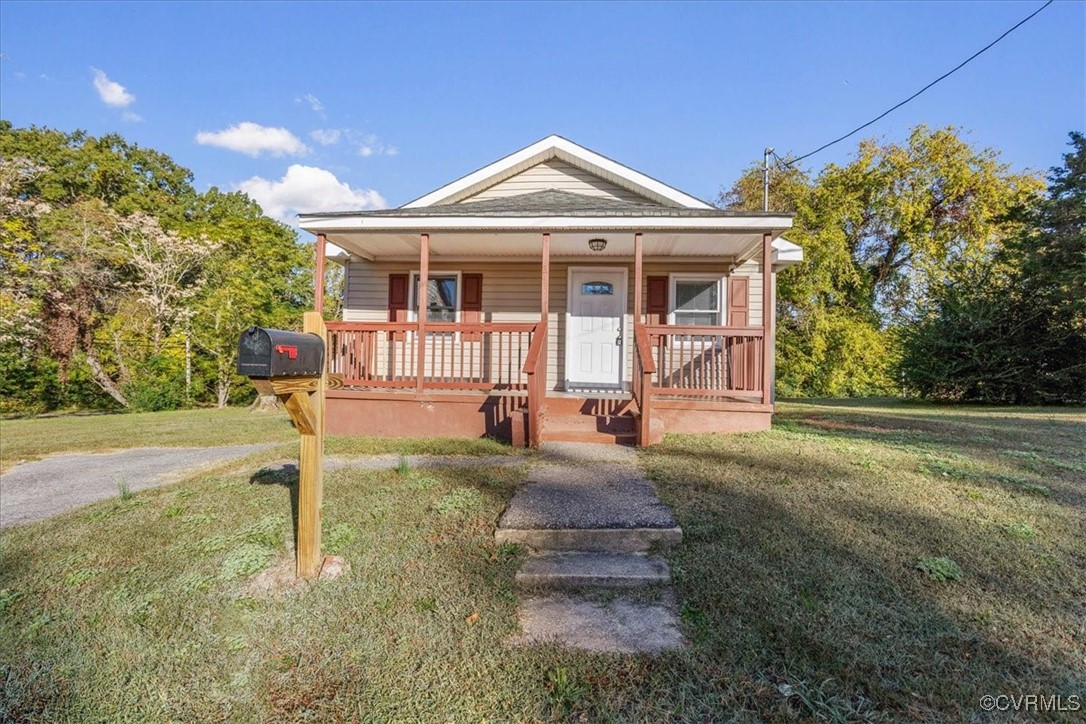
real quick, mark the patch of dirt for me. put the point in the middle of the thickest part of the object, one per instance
(276, 581)
(280, 579)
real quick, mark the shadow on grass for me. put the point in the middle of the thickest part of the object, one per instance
(1037, 452)
(824, 599)
(286, 475)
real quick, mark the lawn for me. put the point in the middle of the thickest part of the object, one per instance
(800, 583)
(30, 439)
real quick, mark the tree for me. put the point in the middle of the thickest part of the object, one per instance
(877, 234)
(1012, 328)
(112, 268)
(258, 274)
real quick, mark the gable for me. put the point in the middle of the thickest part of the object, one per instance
(577, 162)
(561, 176)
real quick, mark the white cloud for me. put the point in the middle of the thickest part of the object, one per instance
(131, 117)
(111, 92)
(253, 139)
(369, 145)
(326, 136)
(305, 189)
(314, 103)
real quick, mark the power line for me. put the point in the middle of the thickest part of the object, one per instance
(949, 73)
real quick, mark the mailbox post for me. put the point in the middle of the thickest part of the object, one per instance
(291, 366)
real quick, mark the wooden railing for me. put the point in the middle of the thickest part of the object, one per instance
(641, 386)
(706, 361)
(487, 356)
(535, 368)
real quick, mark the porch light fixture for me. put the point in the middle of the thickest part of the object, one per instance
(597, 244)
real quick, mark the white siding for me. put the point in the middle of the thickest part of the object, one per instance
(555, 174)
(511, 294)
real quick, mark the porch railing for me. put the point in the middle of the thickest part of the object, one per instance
(535, 368)
(641, 386)
(485, 356)
(706, 361)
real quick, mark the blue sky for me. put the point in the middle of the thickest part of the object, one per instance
(368, 104)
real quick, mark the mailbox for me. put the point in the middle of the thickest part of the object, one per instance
(277, 353)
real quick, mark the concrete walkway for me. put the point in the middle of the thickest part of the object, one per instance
(38, 490)
(589, 516)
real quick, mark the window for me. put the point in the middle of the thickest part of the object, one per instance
(697, 301)
(442, 297)
(591, 288)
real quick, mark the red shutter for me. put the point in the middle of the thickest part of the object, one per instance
(471, 304)
(397, 301)
(738, 301)
(656, 301)
(740, 351)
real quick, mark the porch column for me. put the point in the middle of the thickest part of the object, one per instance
(424, 303)
(545, 310)
(545, 291)
(767, 318)
(318, 274)
(637, 282)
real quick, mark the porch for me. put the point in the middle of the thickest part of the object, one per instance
(509, 379)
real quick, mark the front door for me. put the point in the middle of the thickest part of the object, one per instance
(597, 305)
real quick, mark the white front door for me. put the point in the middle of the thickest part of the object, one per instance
(594, 340)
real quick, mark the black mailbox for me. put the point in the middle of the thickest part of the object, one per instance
(276, 353)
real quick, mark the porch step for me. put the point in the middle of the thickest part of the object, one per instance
(611, 405)
(620, 429)
(579, 569)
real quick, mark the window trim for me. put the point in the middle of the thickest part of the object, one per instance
(412, 284)
(721, 293)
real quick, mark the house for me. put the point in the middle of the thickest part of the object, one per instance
(568, 297)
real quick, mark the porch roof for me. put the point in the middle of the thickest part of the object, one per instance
(548, 203)
(513, 225)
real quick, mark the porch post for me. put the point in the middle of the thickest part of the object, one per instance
(423, 303)
(545, 291)
(767, 318)
(318, 274)
(637, 282)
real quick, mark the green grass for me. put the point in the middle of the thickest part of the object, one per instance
(30, 439)
(798, 582)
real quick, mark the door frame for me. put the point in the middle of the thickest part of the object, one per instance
(625, 296)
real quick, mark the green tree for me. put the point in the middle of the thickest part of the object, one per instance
(877, 234)
(116, 274)
(1012, 328)
(259, 274)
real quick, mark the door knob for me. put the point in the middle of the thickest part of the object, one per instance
(618, 340)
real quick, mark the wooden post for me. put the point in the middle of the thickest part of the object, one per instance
(545, 330)
(311, 462)
(545, 286)
(767, 318)
(423, 302)
(318, 274)
(545, 307)
(637, 281)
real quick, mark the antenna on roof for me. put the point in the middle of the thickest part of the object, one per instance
(765, 179)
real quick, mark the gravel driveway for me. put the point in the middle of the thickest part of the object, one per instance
(57, 484)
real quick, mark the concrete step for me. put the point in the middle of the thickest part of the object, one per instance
(577, 569)
(625, 624)
(590, 540)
